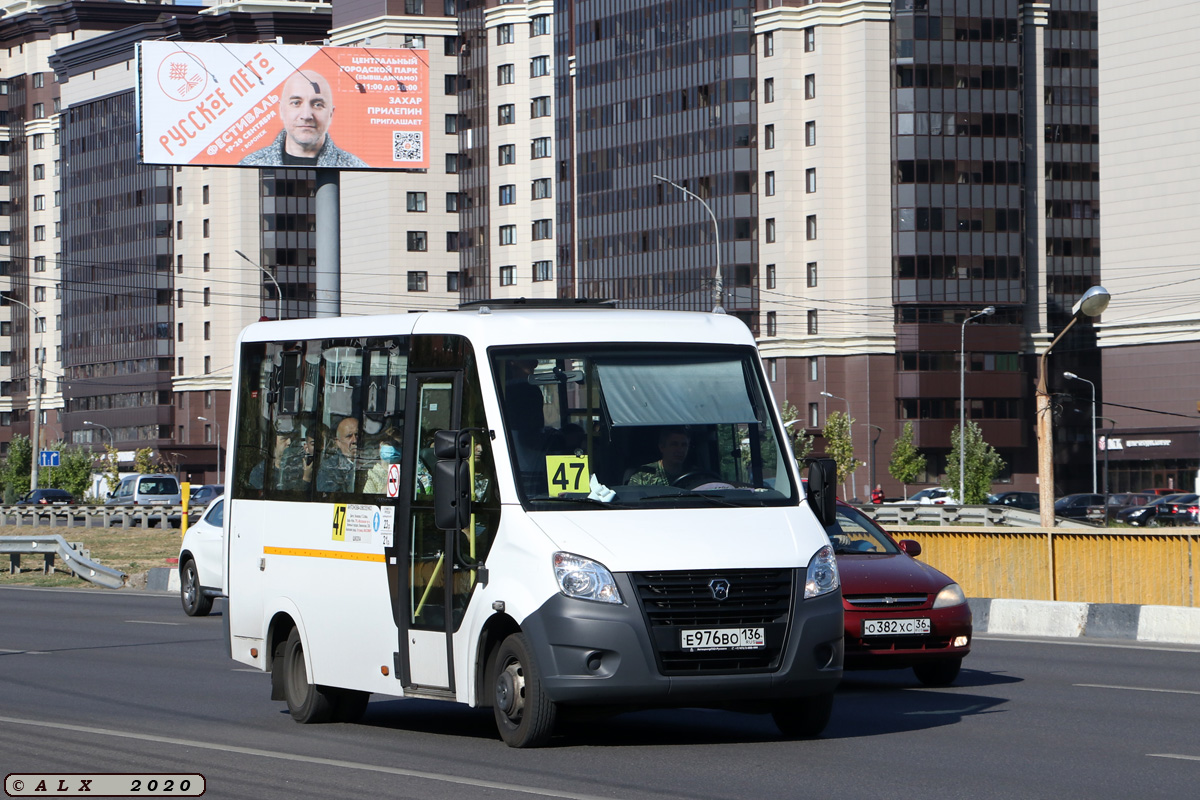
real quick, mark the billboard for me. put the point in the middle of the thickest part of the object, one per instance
(272, 105)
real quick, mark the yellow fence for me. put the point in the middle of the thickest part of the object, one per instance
(1091, 566)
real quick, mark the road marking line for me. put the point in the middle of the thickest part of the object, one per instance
(1135, 688)
(330, 762)
(1139, 646)
(1173, 755)
(255, 671)
(151, 622)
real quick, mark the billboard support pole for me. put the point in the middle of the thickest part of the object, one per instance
(329, 243)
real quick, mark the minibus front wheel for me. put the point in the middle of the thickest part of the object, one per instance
(524, 714)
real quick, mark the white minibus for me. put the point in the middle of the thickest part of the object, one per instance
(529, 509)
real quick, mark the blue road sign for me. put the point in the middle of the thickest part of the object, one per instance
(48, 458)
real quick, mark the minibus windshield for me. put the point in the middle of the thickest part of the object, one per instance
(646, 426)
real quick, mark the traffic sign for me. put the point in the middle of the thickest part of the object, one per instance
(48, 458)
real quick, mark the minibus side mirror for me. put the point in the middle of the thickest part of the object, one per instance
(451, 480)
(822, 489)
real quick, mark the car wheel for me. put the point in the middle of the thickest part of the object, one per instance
(938, 673)
(525, 716)
(306, 702)
(803, 717)
(195, 603)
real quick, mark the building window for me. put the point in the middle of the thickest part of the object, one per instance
(770, 184)
(770, 229)
(770, 276)
(414, 41)
(541, 188)
(539, 66)
(541, 148)
(39, 325)
(39, 233)
(450, 84)
(450, 44)
(542, 271)
(507, 154)
(39, 141)
(810, 227)
(813, 418)
(539, 25)
(205, 228)
(207, 262)
(207, 331)
(39, 263)
(810, 86)
(418, 281)
(543, 229)
(451, 163)
(178, 195)
(204, 194)
(812, 368)
(771, 329)
(39, 202)
(540, 107)
(452, 281)
(416, 201)
(414, 7)
(179, 229)
(504, 34)
(207, 296)
(505, 74)
(768, 44)
(508, 275)
(810, 180)
(772, 369)
(418, 241)
(811, 271)
(812, 323)
(506, 114)
(39, 110)
(39, 294)
(39, 80)
(810, 133)
(508, 194)
(451, 241)
(179, 332)
(769, 90)
(39, 172)
(452, 201)
(810, 39)
(508, 234)
(452, 123)
(57, 198)
(769, 137)
(179, 298)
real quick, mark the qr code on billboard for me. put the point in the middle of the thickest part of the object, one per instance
(408, 146)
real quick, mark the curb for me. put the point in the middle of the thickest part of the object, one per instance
(1064, 620)
(162, 579)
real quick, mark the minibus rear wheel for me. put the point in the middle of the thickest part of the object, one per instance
(524, 714)
(306, 702)
(803, 717)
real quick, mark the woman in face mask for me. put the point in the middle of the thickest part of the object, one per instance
(389, 453)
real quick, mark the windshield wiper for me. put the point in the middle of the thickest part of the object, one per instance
(591, 501)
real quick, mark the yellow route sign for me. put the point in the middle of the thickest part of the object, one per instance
(339, 522)
(568, 474)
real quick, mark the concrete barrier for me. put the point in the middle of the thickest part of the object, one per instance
(1162, 624)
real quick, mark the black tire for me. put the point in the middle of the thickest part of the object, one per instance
(524, 715)
(306, 702)
(803, 717)
(938, 673)
(195, 602)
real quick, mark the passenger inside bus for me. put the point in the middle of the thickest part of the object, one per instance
(389, 453)
(337, 470)
(674, 442)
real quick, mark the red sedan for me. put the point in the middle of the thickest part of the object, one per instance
(899, 612)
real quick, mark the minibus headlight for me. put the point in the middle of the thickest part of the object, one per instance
(822, 575)
(585, 579)
(952, 595)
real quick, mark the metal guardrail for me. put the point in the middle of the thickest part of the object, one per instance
(76, 557)
(893, 514)
(80, 516)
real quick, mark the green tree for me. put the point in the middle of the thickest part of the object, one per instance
(15, 472)
(110, 469)
(74, 472)
(840, 446)
(981, 465)
(143, 461)
(907, 461)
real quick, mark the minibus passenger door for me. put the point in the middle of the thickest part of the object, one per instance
(427, 599)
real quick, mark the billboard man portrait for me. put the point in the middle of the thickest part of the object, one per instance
(306, 110)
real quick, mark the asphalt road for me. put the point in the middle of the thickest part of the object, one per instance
(98, 681)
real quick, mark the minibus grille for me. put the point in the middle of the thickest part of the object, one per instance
(676, 601)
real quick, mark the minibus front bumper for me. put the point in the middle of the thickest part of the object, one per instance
(593, 653)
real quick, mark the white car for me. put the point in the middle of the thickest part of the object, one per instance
(201, 572)
(934, 496)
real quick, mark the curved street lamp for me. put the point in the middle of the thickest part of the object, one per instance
(218, 424)
(718, 287)
(278, 291)
(1071, 376)
(849, 430)
(962, 403)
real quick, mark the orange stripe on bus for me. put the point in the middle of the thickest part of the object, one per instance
(338, 554)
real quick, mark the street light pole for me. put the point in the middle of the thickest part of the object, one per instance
(1073, 377)
(36, 423)
(278, 292)
(962, 403)
(111, 440)
(850, 430)
(718, 286)
(218, 425)
(874, 442)
(1107, 440)
(1092, 304)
